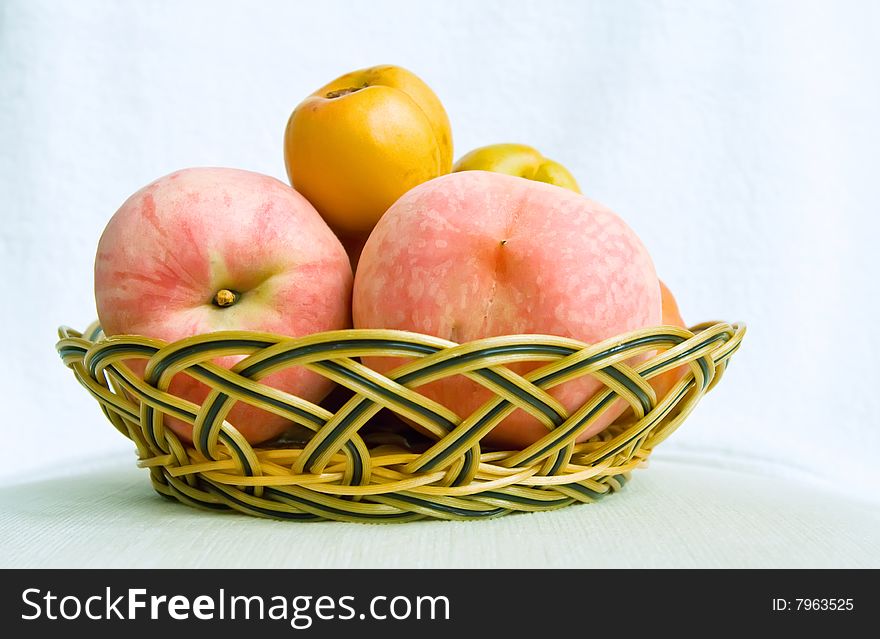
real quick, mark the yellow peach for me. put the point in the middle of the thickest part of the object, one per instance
(519, 160)
(360, 142)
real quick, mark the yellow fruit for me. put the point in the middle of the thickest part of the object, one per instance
(519, 160)
(360, 142)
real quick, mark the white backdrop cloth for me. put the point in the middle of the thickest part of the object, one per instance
(739, 140)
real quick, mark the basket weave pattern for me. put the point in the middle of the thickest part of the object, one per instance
(342, 471)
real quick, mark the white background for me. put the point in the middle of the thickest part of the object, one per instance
(739, 139)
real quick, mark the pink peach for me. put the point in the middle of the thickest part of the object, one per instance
(477, 254)
(212, 249)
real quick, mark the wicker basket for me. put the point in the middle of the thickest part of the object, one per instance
(358, 463)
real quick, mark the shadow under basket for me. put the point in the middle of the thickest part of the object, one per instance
(356, 461)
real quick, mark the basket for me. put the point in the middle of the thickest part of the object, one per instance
(358, 463)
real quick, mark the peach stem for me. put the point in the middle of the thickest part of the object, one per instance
(225, 297)
(338, 93)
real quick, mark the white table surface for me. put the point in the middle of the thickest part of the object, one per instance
(676, 513)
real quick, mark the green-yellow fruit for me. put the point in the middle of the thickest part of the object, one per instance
(519, 160)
